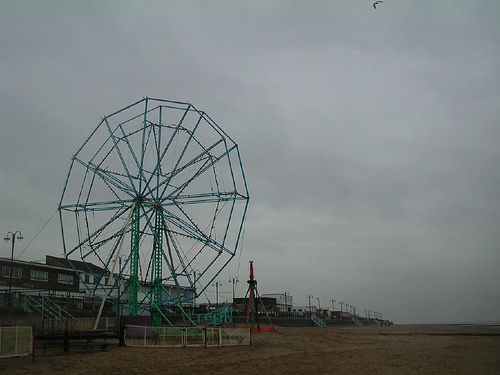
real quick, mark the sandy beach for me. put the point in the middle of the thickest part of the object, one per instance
(408, 349)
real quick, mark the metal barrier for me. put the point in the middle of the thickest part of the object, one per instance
(148, 336)
(16, 341)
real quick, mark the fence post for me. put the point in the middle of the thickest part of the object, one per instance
(33, 343)
(122, 334)
(17, 336)
(205, 336)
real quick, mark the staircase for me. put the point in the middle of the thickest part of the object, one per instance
(318, 321)
(45, 306)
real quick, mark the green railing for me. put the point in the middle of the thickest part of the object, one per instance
(318, 321)
(356, 321)
(219, 317)
(45, 306)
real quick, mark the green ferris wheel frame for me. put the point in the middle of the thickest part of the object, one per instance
(166, 175)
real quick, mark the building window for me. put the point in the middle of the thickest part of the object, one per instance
(16, 272)
(64, 278)
(39, 275)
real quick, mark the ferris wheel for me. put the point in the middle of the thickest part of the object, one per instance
(159, 185)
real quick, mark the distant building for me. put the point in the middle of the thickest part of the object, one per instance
(264, 305)
(35, 277)
(284, 302)
(76, 279)
(95, 281)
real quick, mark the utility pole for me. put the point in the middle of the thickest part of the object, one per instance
(234, 280)
(333, 306)
(119, 299)
(216, 284)
(286, 305)
(310, 311)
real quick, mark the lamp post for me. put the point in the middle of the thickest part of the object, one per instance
(11, 236)
(216, 284)
(234, 280)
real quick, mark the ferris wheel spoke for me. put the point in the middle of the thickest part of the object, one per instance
(199, 172)
(194, 232)
(120, 155)
(181, 156)
(107, 176)
(90, 237)
(125, 139)
(157, 170)
(96, 206)
(96, 246)
(212, 197)
(204, 157)
(171, 242)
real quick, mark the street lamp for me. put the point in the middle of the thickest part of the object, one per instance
(216, 284)
(11, 236)
(234, 280)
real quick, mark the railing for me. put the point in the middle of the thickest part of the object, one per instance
(219, 317)
(356, 321)
(45, 306)
(186, 336)
(318, 321)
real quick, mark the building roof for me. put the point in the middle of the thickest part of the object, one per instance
(35, 264)
(77, 264)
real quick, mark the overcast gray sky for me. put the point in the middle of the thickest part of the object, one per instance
(370, 138)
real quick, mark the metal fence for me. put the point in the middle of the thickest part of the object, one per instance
(186, 336)
(16, 341)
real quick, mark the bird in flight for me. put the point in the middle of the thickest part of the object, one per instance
(376, 3)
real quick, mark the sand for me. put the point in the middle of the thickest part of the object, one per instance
(400, 349)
